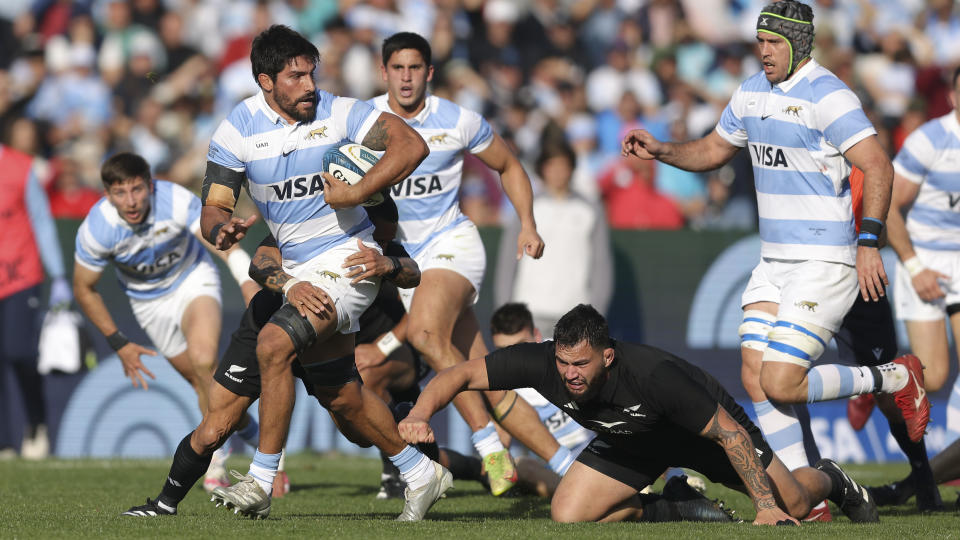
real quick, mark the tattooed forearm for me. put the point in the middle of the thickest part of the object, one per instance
(376, 138)
(735, 440)
(267, 271)
(409, 275)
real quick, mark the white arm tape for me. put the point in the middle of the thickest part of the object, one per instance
(914, 266)
(388, 343)
(239, 264)
(287, 285)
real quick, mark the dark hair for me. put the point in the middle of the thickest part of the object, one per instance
(511, 318)
(405, 40)
(387, 210)
(582, 323)
(555, 149)
(124, 166)
(276, 47)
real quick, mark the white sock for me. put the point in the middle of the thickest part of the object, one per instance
(486, 440)
(263, 469)
(833, 381)
(415, 468)
(781, 429)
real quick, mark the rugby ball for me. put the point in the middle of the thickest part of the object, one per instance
(348, 163)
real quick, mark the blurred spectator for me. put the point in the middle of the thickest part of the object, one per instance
(890, 77)
(122, 38)
(943, 29)
(632, 200)
(724, 209)
(28, 246)
(579, 265)
(685, 188)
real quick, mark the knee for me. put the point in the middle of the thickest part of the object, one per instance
(273, 348)
(210, 435)
(565, 512)
(798, 504)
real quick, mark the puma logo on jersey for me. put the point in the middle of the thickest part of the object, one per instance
(769, 156)
(806, 305)
(444, 256)
(328, 274)
(236, 369)
(317, 133)
(794, 110)
(439, 138)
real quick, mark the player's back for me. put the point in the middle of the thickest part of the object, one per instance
(428, 200)
(153, 257)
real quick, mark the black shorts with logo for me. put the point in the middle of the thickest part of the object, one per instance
(239, 371)
(867, 336)
(639, 461)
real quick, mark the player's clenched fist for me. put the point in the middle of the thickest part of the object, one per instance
(415, 430)
(640, 143)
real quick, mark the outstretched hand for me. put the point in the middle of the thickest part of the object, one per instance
(870, 273)
(233, 232)
(415, 430)
(774, 516)
(640, 143)
(129, 356)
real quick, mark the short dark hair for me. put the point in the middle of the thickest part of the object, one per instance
(124, 166)
(276, 47)
(387, 210)
(405, 40)
(556, 149)
(582, 323)
(511, 318)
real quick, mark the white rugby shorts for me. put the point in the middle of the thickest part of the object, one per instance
(161, 317)
(458, 249)
(326, 272)
(815, 292)
(907, 303)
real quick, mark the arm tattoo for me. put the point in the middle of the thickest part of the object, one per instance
(377, 137)
(409, 274)
(742, 454)
(266, 271)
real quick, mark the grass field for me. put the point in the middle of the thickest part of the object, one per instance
(332, 497)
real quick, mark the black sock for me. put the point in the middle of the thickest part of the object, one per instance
(463, 467)
(916, 452)
(186, 469)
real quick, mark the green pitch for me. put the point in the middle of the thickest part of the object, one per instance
(332, 497)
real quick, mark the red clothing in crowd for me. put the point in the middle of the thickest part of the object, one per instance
(632, 201)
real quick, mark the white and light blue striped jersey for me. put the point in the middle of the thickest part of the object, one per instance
(796, 133)
(563, 428)
(931, 157)
(282, 163)
(153, 257)
(429, 200)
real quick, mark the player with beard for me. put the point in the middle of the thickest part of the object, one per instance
(273, 144)
(650, 410)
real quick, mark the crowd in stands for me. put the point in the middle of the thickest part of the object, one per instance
(83, 79)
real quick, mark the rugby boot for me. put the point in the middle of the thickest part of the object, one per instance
(246, 497)
(419, 501)
(690, 504)
(391, 487)
(820, 512)
(859, 409)
(150, 509)
(501, 472)
(893, 494)
(912, 398)
(854, 501)
(216, 475)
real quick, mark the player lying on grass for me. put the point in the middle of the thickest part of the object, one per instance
(237, 389)
(651, 410)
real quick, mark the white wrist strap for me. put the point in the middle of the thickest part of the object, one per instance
(914, 266)
(388, 343)
(287, 285)
(239, 264)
